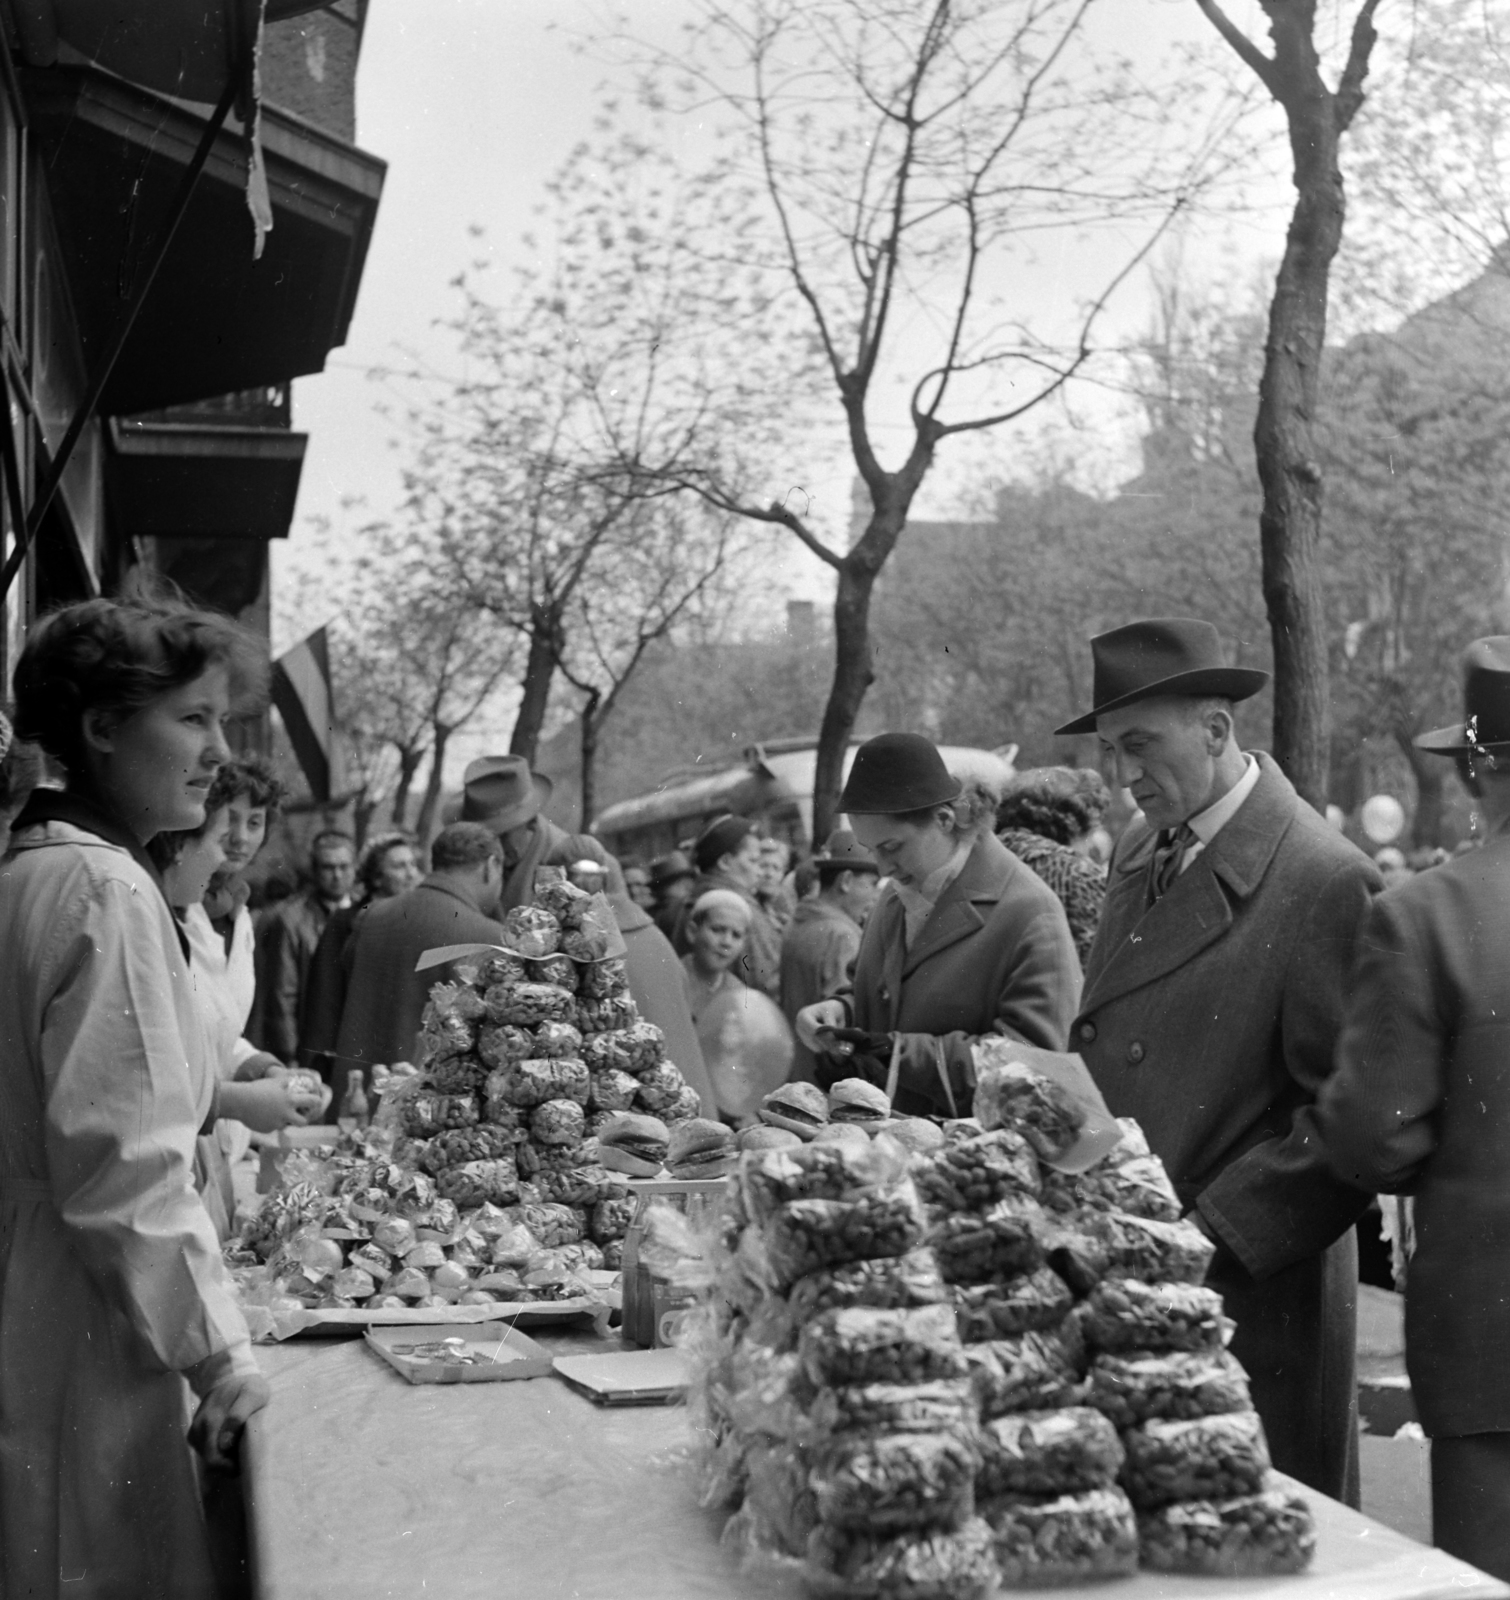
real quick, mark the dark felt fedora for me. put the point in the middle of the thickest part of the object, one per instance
(1486, 703)
(842, 849)
(502, 793)
(1173, 655)
(668, 868)
(896, 772)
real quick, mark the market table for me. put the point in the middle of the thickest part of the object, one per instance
(361, 1485)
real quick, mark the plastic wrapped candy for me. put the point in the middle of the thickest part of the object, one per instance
(456, 1075)
(943, 1407)
(918, 1565)
(1008, 1239)
(1010, 1094)
(606, 1015)
(613, 1254)
(1204, 1458)
(686, 1105)
(1048, 1452)
(1111, 1244)
(597, 980)
(891, 1283)
(563, 1157)
(605, 1051)
(1033, 1372)
(861, 1345)
(499, 967)
(611, 1090)
(552, 1225)
(773, 1178)
(1063, 1539)
(477, 1181)
(660, 1089)
(778, 1493)
(1250, 1536)
(497, 1109)
(1138, 1186)
(611, 1217)
(583, 1185)
(1123, 1315)
(445, 1036)
(449, 1001)
(527, 1005)
(532, 932)
(503, 1046)
(557, 894)
(408, 1283)
(1183, 1384)
(558, 1122)
(594, 934)
(424, 1115)
(645, 1046)
(973, 1174)
(808, 1235)
(555, 1039)
(1001, 1310)
(456, 1146)
(895, 1480)
(558, 970)
(532, 1083)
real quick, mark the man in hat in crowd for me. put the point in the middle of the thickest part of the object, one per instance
(1212, 1005)
(1420, 1105)
(671, 880)
(823, 939)
(503, 794)
(728, 856)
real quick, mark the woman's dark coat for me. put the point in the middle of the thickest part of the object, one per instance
(1212, 1018)
(1420, 1105)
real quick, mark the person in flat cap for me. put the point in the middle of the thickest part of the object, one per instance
(1420, 1106)
(727, 855)
(1213, 1001)
(503, 794)
(823, 937)
(964, 940)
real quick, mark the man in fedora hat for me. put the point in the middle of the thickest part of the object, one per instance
(823, 937)
(503, 794)
(1420, 1105)
(1213, 999)
(671, 878)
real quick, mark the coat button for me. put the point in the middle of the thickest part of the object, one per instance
(885, 994)
(1135, 1052)
(1088, 1032)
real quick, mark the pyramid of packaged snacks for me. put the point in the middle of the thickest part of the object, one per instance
(482, 1182)
(929, 1374)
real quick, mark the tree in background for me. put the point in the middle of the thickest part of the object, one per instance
(1284, 435)
(901, 161)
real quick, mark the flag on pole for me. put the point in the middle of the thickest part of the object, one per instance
(302, 694)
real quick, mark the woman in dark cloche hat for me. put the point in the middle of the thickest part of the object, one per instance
(964, 941)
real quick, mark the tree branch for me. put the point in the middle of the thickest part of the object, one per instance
(1349, 95)
(1245, 47)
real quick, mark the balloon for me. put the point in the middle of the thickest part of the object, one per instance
(747, 1047)
(1383, 818)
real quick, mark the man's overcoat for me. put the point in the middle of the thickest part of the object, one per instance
(1211, 1017)
(1420, 1104)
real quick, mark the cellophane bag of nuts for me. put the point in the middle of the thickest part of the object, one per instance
(925, 1374)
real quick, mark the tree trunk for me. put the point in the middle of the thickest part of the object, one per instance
(408, 765)
(425, 825)
(590, 731)
(361, 816)
(546, 645)
(854, 671)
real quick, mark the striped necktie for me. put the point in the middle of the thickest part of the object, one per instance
(1165, 866)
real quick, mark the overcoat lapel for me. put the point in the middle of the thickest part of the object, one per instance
(886, 927)
(956, 915)
(1140, 943)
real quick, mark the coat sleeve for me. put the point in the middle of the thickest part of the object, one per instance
(1376, 1115)
(1035, 1002)
(278, 986)
(121, 1119)
(324, 993)
(1279, 1202)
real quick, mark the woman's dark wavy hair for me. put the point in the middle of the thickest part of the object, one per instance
(370, 868)
(1058, 803)
(116, 656)
(252, 776)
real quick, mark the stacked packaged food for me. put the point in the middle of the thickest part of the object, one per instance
(930, 1371)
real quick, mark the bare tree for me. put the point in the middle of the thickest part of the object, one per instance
(894, 164)
(1284, 435)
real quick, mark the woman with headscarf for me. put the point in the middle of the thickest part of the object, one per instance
(964, 940)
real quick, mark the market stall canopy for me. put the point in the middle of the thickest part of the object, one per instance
(216, 319)
(188, 481)
(181, 47)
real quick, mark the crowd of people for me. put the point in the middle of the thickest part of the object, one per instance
(1292, 1038)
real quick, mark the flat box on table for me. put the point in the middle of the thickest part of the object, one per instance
(627, 1377)
(511, 1354)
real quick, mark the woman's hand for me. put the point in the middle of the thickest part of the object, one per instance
(267, 1105)
(815, 1022)
(261, 1065)
(218, 1423)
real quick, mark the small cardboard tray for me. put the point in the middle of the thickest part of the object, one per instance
(627, 1377)
(505, 1352)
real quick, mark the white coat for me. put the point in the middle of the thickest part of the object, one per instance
(112, 1291)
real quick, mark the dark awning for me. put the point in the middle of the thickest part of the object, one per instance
(215, 320)
(180, 481)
